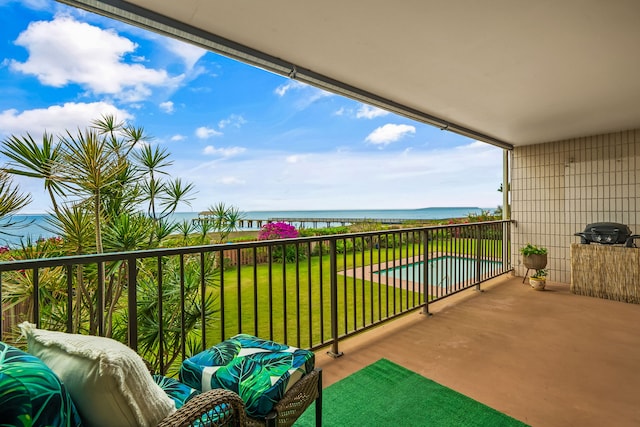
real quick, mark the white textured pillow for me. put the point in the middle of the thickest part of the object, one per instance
(108, 381)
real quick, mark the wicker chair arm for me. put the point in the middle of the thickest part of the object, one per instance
(294, 402)
(214, 408)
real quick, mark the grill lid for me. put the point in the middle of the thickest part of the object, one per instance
(607, 233)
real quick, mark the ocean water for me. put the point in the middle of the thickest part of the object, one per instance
(35, 226)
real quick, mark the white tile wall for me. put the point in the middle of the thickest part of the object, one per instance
(560, 187)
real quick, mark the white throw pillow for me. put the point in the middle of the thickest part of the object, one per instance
(108, 381)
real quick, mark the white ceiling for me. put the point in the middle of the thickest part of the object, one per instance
(516, 71)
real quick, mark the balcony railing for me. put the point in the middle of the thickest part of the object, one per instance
(307, 292)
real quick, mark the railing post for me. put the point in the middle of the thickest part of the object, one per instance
(69, 273)
(478, 257)
(506, 233)
(36, 297)
(133, 303)
(100, 298)
(333, 263)
(425, 273)
(1, 309)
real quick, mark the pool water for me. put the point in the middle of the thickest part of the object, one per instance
(442, 271)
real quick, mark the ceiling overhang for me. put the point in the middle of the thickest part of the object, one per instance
(505, 72)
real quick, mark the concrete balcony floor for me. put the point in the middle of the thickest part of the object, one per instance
(547, 358)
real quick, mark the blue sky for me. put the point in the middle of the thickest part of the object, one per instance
(242, 135)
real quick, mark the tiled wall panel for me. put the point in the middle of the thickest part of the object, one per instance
(560, 187)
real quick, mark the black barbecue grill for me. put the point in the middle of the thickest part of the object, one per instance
(607, 233)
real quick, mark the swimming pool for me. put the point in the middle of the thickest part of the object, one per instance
(442, 271)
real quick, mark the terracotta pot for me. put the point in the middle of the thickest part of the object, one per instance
(535, 262)
(537, 284)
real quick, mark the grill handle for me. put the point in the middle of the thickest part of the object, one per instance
(630, 243)
(583, 238)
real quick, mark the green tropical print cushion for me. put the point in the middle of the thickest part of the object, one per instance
(260, 371)
(15, 402)
(31, 395)
(178, 392)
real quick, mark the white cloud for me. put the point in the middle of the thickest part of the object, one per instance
(369, 112)
(167, 107)
(364, 111)
(56, 118)
(189, 53)
(178, 137)
(233, 120)
(204, 132)
(65, 51)
(295, 158)
(231, 180)
(307, 94)
(290, 85)
(223, 152)
(389, 133)
(352, 180)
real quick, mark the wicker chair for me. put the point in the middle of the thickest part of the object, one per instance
(220, 407)
(295, 401)
(214, 408)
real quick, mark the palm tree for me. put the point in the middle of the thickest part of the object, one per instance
(175, 192)
(224, 220)
(98, 180)
(11, 200)
(152, 161)
(162, 198)
(34, 160)
(90, 169)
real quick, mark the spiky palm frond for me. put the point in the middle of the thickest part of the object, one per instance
(152, 160)
(90, 166)
(30, 159)
(11, 199)
(175, 192)
(150, 190)
(163, 229)
(128, 233)
(224, 219)
(76, 225)
(107, 124)
(186, 227)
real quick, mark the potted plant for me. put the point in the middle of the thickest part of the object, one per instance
(534, 257)
(538, 280)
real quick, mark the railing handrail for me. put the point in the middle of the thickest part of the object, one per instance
(156, 252)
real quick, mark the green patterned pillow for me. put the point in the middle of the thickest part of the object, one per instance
(178, 392)
(31, 394)
(260, 371)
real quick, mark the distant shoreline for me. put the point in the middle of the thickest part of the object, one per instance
(35, 229)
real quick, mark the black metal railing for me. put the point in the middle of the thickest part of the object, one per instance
(308, 292)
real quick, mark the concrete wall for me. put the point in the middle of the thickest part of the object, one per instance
(560, 187)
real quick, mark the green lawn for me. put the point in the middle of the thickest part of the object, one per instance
(294, 291)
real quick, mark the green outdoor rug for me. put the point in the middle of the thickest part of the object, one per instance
(385, 394)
